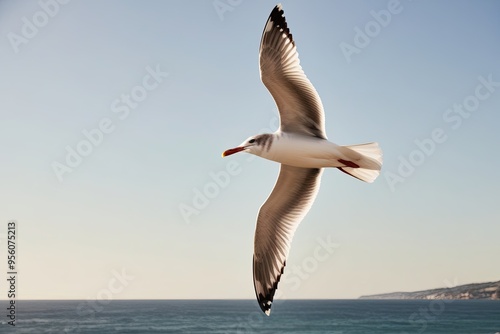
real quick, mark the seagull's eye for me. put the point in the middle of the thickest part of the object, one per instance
(251, 141)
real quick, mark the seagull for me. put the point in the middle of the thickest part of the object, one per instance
(301, 147)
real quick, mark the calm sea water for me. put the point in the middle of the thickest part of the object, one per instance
(243, 316)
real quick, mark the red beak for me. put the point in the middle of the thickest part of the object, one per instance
(232, 151)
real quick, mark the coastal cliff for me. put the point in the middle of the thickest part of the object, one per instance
(489, 290)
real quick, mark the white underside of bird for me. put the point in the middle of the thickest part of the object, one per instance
(301, 147)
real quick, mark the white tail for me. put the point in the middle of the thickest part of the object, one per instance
(368, 158)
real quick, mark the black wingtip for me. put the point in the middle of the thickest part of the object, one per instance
(277, 20)
(266, 302)
(277, 16)
(278, 9)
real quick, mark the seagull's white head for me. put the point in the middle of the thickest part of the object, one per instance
(253, 145)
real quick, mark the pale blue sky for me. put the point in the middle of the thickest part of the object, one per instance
(120, 208)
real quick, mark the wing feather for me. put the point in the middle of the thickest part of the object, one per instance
(299, 105)
(278, 218)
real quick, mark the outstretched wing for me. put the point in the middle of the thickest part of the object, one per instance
(299, 105)
(278, 218)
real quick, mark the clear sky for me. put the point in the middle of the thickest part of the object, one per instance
(163, 87)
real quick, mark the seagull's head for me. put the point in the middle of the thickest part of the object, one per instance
(253, 145)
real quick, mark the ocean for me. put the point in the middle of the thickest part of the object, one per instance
(244, 316)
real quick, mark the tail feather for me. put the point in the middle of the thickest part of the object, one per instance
(369, 159)
(367, 175)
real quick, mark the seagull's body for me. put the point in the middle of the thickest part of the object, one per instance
(306, 152)
(301, 147)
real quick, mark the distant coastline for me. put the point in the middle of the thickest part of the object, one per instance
(490, 290)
